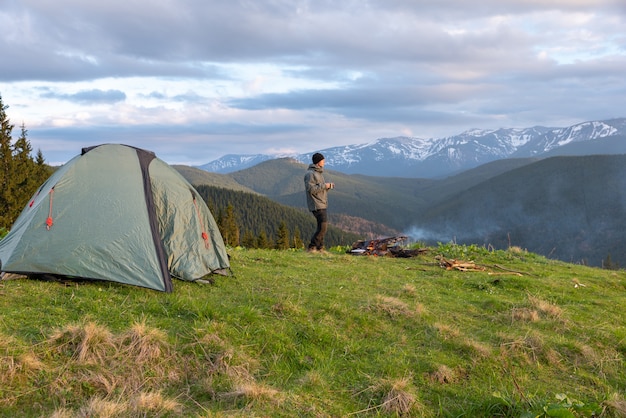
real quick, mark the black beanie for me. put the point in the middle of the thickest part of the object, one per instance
(317, 157)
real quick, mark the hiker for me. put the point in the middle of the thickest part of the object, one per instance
(317, 200)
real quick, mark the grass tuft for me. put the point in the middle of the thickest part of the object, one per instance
(392, 306)
(153, 404)
(615, 406)
(396, 397)
(87, 343)
(546, 308)
(143, 343)
(102, 408)
(444, 375)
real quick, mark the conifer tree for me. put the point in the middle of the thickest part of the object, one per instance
(282, 240)
(262, 241)
(230, 229)
(20, 174)
(248, 240)
(608, 264)
(42, 170)
(297, 240)
(24, 171)
(7, 199)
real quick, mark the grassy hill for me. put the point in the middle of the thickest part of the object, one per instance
(296, 334)
(196, 176)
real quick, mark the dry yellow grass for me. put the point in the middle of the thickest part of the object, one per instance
(545, 307)
(153, 404)
(443, 375)
(286, 308)
(528, 349)
(393, 307)
(480, 349)
(397, 397)
(399, 400)
(616, 406)
(125, 370)
(447, 331)
(144, 343)
(517, 250)
(88, 343)
(30, 362)
(102, 408)
(409, 289)
(254, 391)
(524, 315)
(62, 413)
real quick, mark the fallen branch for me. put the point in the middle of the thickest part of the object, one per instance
(521, 273)
(459, 265)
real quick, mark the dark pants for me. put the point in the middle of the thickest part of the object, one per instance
(317, 241)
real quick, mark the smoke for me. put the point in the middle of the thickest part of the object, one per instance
(460, 234)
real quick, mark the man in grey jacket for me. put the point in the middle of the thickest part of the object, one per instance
(317, 199)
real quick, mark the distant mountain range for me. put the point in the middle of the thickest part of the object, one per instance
(440, 157)
(572, 208)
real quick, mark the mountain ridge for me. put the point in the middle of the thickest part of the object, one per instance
(413, 157)
(568, 207)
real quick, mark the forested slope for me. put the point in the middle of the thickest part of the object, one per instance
(257, 215)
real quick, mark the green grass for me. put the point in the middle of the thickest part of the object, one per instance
(298, 334)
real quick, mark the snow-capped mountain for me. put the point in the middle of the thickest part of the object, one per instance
(417, 157)
(233, 162)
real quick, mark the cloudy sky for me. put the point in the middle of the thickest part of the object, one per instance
(194, 80)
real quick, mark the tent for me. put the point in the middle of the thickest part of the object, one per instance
(116, 213)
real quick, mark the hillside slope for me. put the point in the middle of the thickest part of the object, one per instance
(196, 176)
(570, 208)
(336, 335)
(391, 201)
(255, 214)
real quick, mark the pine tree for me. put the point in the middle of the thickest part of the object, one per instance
(20, 174)
(297, 240)
(7, 199)
(24, 172)
(230, 232)
(282, 240)
(42, 170)
(248, 240)
(262, 241)
(219, 220)
(608, 264)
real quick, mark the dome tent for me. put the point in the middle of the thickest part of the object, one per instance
(116, 213)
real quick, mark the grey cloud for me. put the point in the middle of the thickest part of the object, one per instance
(120, 38)
(205, 141)
(88, 97)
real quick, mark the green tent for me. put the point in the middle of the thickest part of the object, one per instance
(116, 213)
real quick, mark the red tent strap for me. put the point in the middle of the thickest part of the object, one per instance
(32, 202)
(49, 219)
(205, 236)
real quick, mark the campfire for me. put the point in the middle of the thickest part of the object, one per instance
(393, 247)
(389, 247)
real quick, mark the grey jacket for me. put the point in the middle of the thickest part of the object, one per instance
(315, 186)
